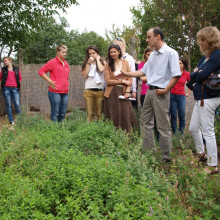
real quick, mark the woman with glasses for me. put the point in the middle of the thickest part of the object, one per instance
(10, 78)
(120, 111)
(58, 83)
(93, 72)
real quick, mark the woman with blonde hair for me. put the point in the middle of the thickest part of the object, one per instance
(202, 120)
(93, 71)
(10, 78)
(58, 83)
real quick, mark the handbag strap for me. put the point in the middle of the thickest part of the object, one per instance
(202, 100)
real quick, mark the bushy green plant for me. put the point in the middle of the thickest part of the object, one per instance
(81, 170)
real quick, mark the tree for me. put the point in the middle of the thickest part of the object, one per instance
(180, 20)
(79, 43)
(43, 42)
(20, 17)
(130, 35)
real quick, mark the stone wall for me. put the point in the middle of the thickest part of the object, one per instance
(34, 91)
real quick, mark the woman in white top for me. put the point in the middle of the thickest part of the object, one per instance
(92, 71)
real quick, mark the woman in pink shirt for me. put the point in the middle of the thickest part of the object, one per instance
(178, 98)
(144, 87)
(10, 78)
(58, 83)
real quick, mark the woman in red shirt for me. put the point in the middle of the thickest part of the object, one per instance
(10, 78)
(58, 83)
(178, 98)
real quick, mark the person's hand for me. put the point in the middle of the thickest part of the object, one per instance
(119, 75)
(195, 69)
(126, 82)
(98, 58)
(127, 95)
(91, 59)
(134, 95)
(53, 85)
(160, 91)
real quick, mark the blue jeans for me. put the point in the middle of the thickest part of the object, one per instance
(177, 103)
(11, 94)
(58, 103)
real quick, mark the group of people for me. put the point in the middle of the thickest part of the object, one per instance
(109, 87)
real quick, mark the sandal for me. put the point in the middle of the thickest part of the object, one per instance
(202, 157)
(211, 170)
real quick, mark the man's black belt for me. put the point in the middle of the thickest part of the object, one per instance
(95, 89)
(154, 87)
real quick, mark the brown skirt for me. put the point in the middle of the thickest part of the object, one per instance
(119, 111)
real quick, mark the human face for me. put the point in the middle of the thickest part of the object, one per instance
(121, 45)
(62, 54)
(92, 53)
(114, 53)
(7, 62)
(181, 66)
(147, 55)
(203, 44)
(151, 39)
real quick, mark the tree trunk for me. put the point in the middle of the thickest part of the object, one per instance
(133, 47)
(20, 56)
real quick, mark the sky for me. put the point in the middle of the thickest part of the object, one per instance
(98, 15)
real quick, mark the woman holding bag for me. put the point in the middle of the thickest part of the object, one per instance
(202, 120)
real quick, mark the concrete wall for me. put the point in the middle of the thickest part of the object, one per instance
(34, 91)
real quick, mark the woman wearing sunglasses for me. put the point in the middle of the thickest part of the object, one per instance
(118, 110)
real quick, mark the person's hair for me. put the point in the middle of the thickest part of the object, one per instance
(212, 36)
(60, 47)
(111, 62)
(184, 61)
(156, 31)
(92, 47)
(9, 58)
(122, 40)
(148, 49)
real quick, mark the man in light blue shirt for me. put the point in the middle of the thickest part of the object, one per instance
(162, 71)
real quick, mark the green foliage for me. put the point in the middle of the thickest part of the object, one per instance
(180, 20)
(42, 46)
(81, 170)
(19, 18)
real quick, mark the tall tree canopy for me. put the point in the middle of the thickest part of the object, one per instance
(180, 20)
(19, 17)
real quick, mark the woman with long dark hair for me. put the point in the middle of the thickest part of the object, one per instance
(93, 71)
(120, 111)
(178, 98)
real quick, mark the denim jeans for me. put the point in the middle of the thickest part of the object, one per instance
(10, 94)
(177, 104)
(58, 103)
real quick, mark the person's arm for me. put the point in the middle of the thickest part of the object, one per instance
(211, 66)
(99, 64)
(42, 72)
(138, 73)
(112, 82)
(143, 78)
(170, 85)
(85, 72)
